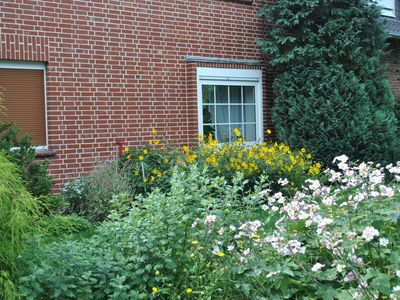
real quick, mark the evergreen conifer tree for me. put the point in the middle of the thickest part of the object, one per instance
(332, 92)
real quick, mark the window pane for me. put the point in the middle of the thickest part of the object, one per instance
(236, 94)
(208, 94)
(222, 93)
(223, 133)
(249, 113)
(208, 114)
(250, 133)
(207, 129)
(222, 114)
(236, 114)
(248, 94)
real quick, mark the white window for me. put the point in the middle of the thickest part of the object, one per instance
(229, 99)
(388, 7)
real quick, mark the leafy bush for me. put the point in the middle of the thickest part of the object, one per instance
(151, 167)
(17, 212)
(91, 196)
(58, 226)
(21, 152)
(211, 239)
(333, 95)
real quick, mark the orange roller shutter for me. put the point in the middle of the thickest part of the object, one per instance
(25, 101)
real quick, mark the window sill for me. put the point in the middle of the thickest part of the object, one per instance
(45, 154)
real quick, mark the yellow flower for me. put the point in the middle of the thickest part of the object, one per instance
(154, 289)
(156, 142)
(165, 161)
(151, 142)
(145, 151)
(221, 254)
(128, 157)
(145, 180)
(309, 156)
(141, 157)
(195, 242)
(237, 132)
(303, 150)
(154, 132)
(200, 248)
(269, 131)
(189, 290)
(126, 149)
(200, 136)
(157, 273)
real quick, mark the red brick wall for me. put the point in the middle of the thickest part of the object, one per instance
(116, 68)
(393, 66)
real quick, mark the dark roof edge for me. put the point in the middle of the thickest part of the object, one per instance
(223, 60)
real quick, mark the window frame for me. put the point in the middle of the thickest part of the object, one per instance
(232, 77)
(22, 65)
(387, 11)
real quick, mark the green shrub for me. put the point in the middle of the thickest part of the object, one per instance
(332, 92)
(18, 210)
(21, 152)
(91, 195)
(57, 226)
(210, 239)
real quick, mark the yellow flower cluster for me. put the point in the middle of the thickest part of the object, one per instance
(239, 156)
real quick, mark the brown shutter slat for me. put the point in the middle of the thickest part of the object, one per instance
(24, 102)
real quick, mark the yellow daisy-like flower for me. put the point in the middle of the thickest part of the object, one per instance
(145, 180)
(309, 156)
(126, 149)
(189, 290)
(269, 131)
(141, 157)
(221, 254)
(237, 132)
(200, 248)
(195, 242)
(303, 150)
(156, 142)
(200, 136)
(151, 142)
(128, 157)
(154, 132)
(154, 289)
(145, 151)
(157, 273)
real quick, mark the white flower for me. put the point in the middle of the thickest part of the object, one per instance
(317, 267)
(270, 274)
(283, 182)
(351, 235)
(313, 184)
(398, 273)
(195, 223)
(221, 231)
(233, 228)
(216, 250)
(210, 219)
(341, 158)
(329, 201)
(343, 166)
(340, 268)
(231, 248)
(369, 233)
(396, 288)
(383, 242)
(246, 252)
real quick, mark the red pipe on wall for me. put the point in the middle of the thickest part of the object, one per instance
(120, 144)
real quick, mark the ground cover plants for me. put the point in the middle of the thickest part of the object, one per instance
(209, 237)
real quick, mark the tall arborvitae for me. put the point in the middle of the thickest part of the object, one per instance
(332, 92)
